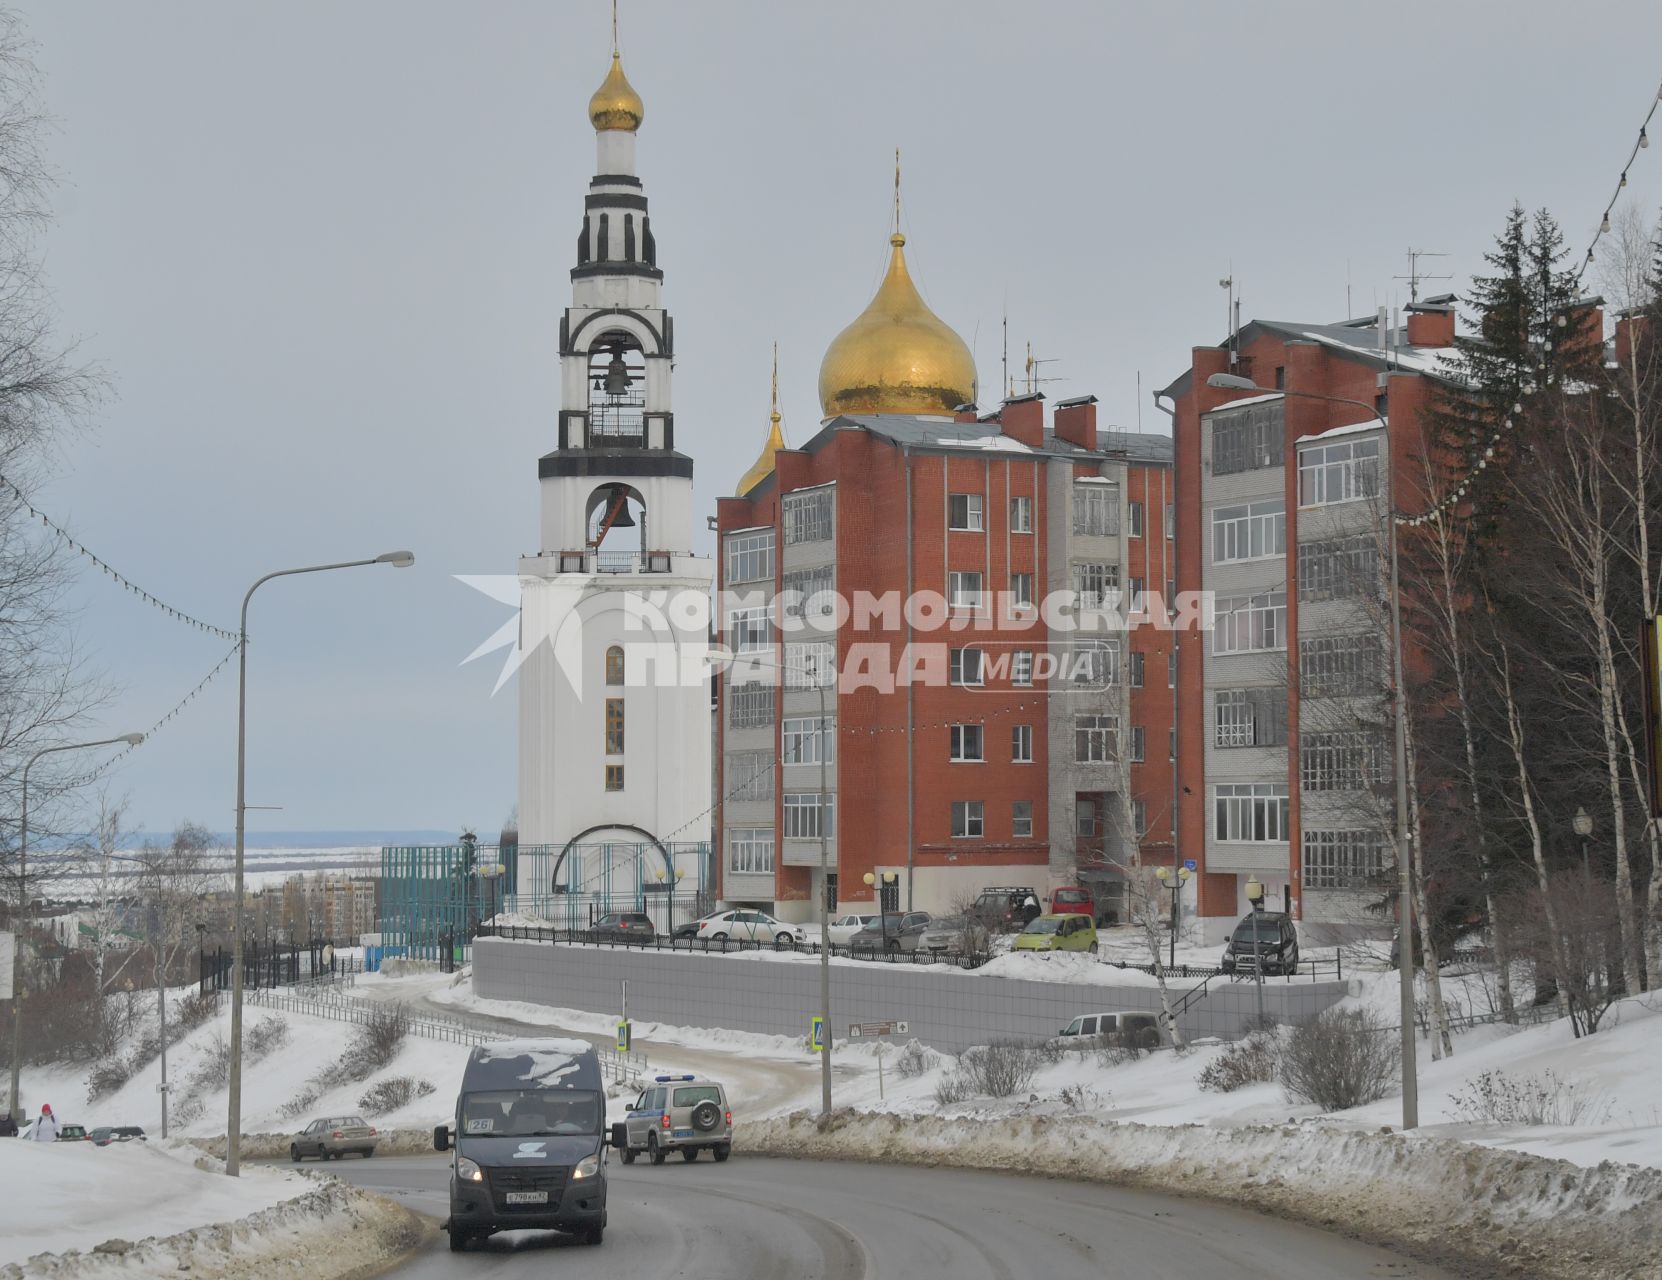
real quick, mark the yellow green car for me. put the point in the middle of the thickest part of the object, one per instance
(1058, 933)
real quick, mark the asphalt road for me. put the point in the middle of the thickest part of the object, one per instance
(755, 1219)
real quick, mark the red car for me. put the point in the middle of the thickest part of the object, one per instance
(1072, 900)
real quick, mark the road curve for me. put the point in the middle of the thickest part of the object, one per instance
(756, 1219)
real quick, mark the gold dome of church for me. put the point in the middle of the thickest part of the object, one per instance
(762, 468)
(615, 104)
(897, 356)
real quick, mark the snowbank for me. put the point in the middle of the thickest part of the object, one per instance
(1444, 1201)
(141, 1209)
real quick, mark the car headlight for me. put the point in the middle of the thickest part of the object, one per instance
(587, 1167)
(468, 1171)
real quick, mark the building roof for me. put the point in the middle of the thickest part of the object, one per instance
(946, 436)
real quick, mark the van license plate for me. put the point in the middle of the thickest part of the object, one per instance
(683, 1133)
(527, 1197)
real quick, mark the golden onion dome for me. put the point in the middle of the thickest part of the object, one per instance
(897, 356)
(615, 104)
(762, 468)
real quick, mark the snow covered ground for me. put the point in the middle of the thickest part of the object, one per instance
(139, 1189)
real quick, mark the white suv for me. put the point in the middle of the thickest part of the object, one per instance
(747, 926)
(684, 1113)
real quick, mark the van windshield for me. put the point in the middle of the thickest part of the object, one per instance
(531, 1113)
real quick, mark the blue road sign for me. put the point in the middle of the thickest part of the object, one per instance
(1191, 864)
(816, 1040)
(624, 1036)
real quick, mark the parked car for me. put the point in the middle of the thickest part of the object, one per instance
(1058, 933)
(106, 1134)
(892, 931)
(1262, 938)
(689, 928)
(1006, 907)
(330, 1139)
(964, 935)
(688, 1114)
(841, 931)
(1090, 1030)
(1072, 900)
(623, 926)
(747, 926)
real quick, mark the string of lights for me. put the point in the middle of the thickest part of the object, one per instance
(178, 615)
(1639, 144)
(178, 709)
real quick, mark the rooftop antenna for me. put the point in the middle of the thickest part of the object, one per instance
(1034, 381)
(1415, 275)
(1008, 389)
(1228, 284)
(1347, 288)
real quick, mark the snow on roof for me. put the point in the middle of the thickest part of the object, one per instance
(998, 443)
(1409, 359)
(1349, 429)
(1238, 404)
(551, 1059)
(1094, 480)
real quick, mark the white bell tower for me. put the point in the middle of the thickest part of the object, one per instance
(614, 701)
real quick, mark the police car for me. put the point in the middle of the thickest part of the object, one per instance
(688, 1114)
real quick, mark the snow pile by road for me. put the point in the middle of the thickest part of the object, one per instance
(140, 1209)
(1446, 1201)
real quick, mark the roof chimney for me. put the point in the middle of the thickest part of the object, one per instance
(1023, 419)
(966, 412)
(1431, 323)
(1075, 421)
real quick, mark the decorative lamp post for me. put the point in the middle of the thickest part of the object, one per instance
(1255, 895)
(669, 918)
(1583, 824)
(1175, 883)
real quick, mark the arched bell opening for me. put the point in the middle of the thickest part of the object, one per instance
(617, 392)
(614, 513)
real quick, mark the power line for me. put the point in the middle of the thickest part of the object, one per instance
(110, 571)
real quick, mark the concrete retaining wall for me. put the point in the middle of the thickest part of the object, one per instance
(945, 1008)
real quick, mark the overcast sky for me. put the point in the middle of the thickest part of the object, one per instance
(321, 250)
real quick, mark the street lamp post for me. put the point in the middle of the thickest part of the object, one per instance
(889, 877)
(1405, 872)
(233, 1118)
(1583, 824)
(1255, 895)
(669, 882)
(131, 740)
(1175, 883)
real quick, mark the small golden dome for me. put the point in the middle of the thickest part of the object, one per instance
(897, 356)
(615, 104)
(762, 468)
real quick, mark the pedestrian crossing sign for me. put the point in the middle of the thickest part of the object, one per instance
(624, 1036)
(816, 1039)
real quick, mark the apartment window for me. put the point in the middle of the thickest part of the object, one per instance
(751, 630)
(1249, 718)
(809, 515)
(1021, 667)
(810, 664)
(964, 666)
(1021, 744)
(1353, 760)
(808, 740)
(1345, 859)
(614, 777)
(1134, 519)
(1135, 592)
(750, 556)
(1095, 738)
(1341, 666)
(1095, 663)
(1021, 589)
(749, 705)
(1171, 520)
(1249, 813)
(806, 593)
(614, 665)
(1084, 816)
(1338, 568)
(1249, 438)
(749, 777)
(967, 821)
(750, 850)
(1138, 739)
(1139, 817)
(1094, 582)
(1021, 819)
(963, 590)
(966, 742)
(1096, 508)
(1171, 744)
(963, 511)
(1171, 668)
(614, 726)
(1249, 531)
(1250, 624)
(802, 815)
(1021, 515)
(1339, 472)
(1137, 664)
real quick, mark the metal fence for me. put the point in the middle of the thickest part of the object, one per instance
(629, 1067)
(724, 946)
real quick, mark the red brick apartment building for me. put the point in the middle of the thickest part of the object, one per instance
(1284, 745)
(972, 739)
